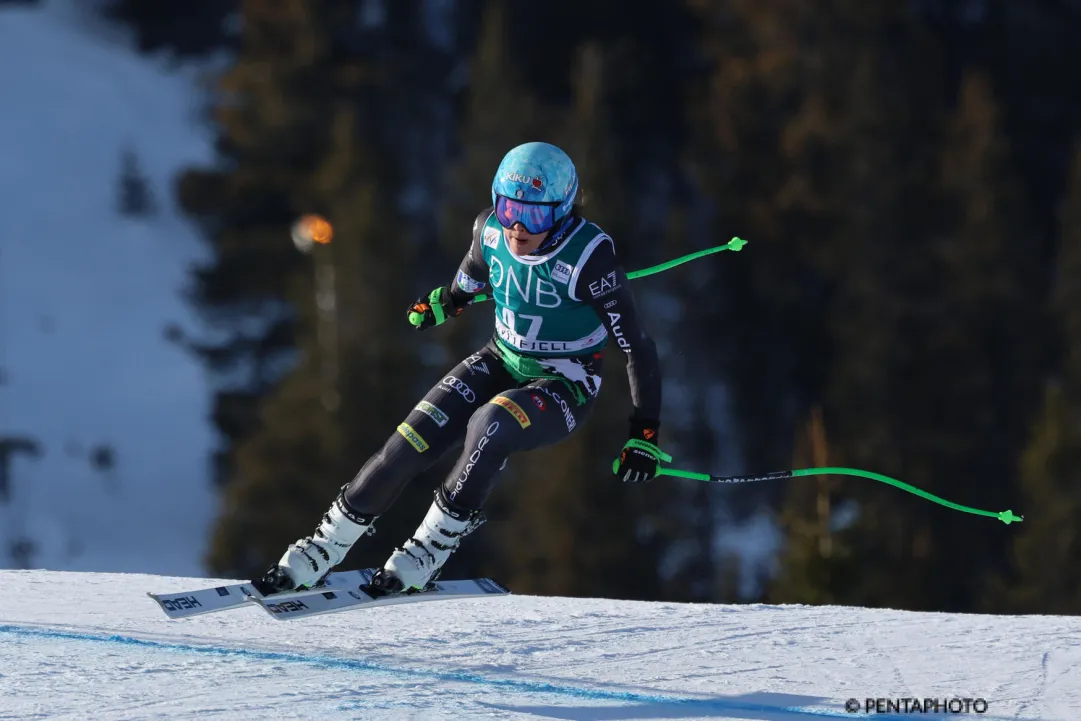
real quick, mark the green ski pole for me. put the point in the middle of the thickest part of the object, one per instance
(736, 244)
(1006, 517)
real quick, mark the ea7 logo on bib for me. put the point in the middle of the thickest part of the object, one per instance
(604, 286)
(562, 272)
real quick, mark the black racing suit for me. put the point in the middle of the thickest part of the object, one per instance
(480, 401)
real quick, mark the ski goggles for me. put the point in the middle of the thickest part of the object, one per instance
(534, 217)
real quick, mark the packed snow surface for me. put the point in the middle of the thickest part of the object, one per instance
(94, 646)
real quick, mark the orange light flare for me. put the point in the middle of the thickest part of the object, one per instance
(311, 229)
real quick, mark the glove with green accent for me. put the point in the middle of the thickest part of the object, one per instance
(641, 458)
(433, 309)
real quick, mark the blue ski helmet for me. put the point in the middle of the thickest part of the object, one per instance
(535, 185)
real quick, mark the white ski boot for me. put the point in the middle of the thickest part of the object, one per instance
(306, 562)
(415, 564)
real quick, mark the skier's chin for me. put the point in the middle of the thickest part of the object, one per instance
(524, 245)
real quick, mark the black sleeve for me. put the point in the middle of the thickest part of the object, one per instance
(472, 276)
(602, 284)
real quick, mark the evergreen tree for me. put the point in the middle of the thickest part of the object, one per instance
(878, 316)
(764, 309)
(855, 283)
(986, 344)
(1031, 54)
(815, 562)
(299, 120)
(245, 208)
(767, 303)
(184, 28)
(925, 375)
(1047, 547)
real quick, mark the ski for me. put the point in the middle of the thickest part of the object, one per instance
(185, 604)
(333, 601)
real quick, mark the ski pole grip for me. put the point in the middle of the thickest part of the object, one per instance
(435, 301)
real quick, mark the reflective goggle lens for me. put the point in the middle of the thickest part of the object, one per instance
(536, 218)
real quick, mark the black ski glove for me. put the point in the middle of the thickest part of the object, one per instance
(641, 458)
(433, 309)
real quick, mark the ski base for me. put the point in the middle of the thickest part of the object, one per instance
(332, 601)
(186, 604)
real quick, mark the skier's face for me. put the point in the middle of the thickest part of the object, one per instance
(522, 242)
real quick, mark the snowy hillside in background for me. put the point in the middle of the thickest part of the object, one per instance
(85, 295)
(107, 652)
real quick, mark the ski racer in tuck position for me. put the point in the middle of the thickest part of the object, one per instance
(559, 294)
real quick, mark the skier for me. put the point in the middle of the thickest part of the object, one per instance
(559, 294)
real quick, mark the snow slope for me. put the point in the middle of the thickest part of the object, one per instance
(85, 295)
(105, 651)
